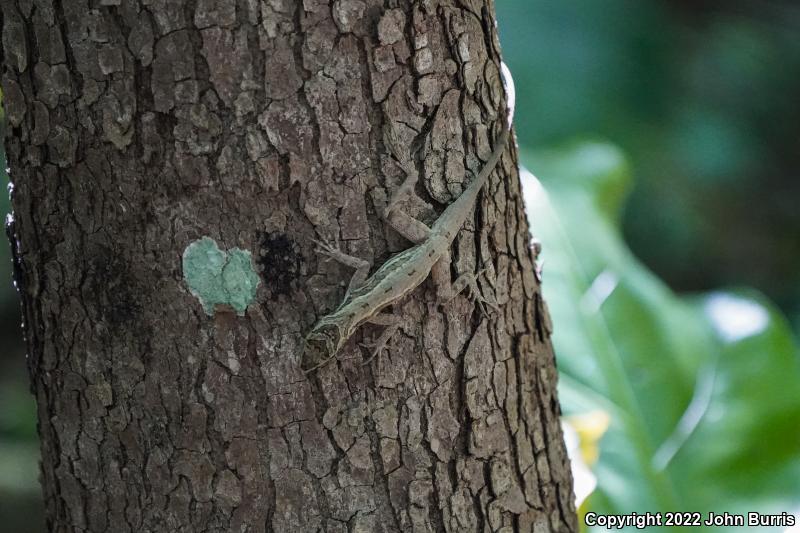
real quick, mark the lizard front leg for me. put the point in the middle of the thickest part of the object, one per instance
(391, 323)
(360, 265)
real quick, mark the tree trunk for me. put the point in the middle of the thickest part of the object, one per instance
(148, 139)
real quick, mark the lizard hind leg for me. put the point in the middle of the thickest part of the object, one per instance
(409, 227)
(399, 151)
(406, 188)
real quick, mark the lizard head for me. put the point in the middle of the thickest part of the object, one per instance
(320, 345)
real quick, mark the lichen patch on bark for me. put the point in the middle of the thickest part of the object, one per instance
(216, 277)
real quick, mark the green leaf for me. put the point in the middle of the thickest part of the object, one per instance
(703, 392)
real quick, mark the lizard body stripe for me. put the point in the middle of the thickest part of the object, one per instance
(405, 271)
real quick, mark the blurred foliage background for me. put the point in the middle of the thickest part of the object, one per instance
(666, 138)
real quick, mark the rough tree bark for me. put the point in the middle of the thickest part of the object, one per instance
(138, 127)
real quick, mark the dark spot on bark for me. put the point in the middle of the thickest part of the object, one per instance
(110, 283)
(279, 262)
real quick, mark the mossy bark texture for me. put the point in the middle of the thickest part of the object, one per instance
(138, 127)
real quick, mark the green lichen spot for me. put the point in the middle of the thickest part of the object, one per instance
(218, 277)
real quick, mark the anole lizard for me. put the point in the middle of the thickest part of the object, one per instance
(402, 273)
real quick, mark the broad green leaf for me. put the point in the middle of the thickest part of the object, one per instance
(703, 392)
